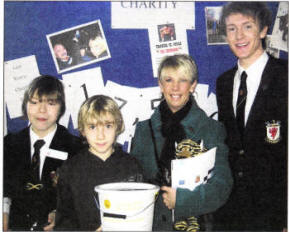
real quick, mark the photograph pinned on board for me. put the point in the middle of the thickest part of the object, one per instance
(271, 50)
(166, 32)
(78, 46)
(280, 30)
(214, 33)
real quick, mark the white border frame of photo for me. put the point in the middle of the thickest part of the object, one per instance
(214, 34)
(73, 35)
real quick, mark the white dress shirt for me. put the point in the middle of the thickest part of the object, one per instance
(48, 138)
(254, 74)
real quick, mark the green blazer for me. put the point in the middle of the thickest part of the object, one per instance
(206, 197)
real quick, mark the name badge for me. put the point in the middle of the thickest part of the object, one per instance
(62, 155)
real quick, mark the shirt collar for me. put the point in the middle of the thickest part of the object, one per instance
(255, 70)
(48, 138)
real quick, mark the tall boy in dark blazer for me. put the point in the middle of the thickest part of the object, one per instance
(30, 172)
(253, 102)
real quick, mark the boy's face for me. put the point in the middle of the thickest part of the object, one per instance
(244, 37)
(43, 113)
(101, 136)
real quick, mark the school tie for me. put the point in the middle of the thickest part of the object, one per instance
(36, 158)
(241, 102)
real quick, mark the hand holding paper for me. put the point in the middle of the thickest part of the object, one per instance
(186, 172)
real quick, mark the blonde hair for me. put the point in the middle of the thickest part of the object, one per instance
(96, 108)
(183, 61)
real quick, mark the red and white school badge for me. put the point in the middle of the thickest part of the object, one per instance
(273, 131)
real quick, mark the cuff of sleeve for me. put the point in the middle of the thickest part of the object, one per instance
(6, 205)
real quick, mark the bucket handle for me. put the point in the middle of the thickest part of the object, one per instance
(122, 216)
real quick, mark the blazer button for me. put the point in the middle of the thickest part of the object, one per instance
(241, 152)
(240, 174)
(164, 218)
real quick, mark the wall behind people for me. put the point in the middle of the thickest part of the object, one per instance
(114, 49)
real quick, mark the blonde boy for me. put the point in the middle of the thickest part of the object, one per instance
(99, 122)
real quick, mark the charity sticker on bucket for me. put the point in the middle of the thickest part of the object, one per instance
(126, 206)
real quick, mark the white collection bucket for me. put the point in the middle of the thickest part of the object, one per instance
(126, 206)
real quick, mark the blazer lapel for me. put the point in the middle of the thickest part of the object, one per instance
(229, 88)
(25, 147)
(231, 115)
(156, 126)
(51, 164)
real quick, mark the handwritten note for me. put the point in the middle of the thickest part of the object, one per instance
(18, 74)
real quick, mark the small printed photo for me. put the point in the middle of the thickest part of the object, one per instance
(280, 29)
(214, 33)
(166, 32)
(271, 50)
(78, 46)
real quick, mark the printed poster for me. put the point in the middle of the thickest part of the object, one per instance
(166, 39)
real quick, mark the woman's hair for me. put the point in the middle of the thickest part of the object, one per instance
(257, 10)
(180, 61)
(96, 108)
(47, 86)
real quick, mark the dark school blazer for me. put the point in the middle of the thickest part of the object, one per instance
(259, 165)
(33, 205)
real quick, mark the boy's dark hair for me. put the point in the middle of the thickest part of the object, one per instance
(257, 10)
(45, 85)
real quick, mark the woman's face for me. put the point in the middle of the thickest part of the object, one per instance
(176, 87)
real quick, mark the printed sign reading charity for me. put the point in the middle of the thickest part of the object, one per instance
(142, 14)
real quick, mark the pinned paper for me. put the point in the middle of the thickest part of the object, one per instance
(165, 43)
(18, 74)
(205, 102)
(78, 87)
(125, 97)
(145, 13)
